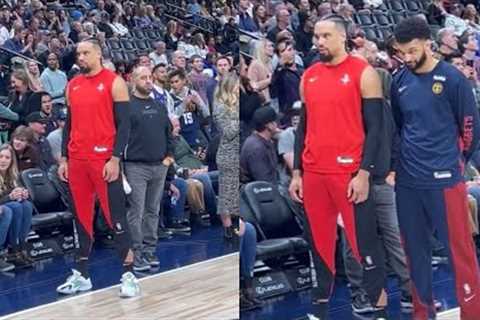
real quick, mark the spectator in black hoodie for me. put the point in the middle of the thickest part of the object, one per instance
(148, 156)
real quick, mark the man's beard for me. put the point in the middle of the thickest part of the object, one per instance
(143, 91)
(325, 57)
(419, 63)
(85, 70)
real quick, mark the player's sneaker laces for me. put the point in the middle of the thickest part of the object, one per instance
(75, 283)
(129, 287)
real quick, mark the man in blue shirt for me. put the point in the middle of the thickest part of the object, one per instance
(435, 111)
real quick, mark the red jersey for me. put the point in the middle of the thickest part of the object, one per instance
(92, 126)
(334, 134)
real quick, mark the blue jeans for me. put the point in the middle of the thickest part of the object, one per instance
(248, 245)
(208, 192)
(5, 221)
(21, 221)
(177, 211)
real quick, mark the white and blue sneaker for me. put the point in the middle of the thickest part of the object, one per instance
(129, 287)
(75, 283)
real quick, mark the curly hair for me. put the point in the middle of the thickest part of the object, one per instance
(412, 28)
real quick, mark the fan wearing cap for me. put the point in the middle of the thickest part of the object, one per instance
(55, 137)
(258, 157)
(38, 124)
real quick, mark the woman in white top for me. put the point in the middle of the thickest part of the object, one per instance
(117, 27)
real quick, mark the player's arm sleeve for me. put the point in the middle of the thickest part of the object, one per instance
(466, 113)
(372, 114)
(300, 140)
(66, 129)
(121, 111)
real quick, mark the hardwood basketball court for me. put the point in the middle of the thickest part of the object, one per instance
(204, 290)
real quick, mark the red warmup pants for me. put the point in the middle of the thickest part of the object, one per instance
(86, 183)
(325, 197)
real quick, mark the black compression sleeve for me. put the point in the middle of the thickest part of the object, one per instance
(300, 140)
(121, 110)
(372, 113)
(66, 135)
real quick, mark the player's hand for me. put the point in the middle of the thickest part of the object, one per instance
(390, 179)
(111, 170)
(63, 170)
(168, 161)
(296, 188)
(358, 187)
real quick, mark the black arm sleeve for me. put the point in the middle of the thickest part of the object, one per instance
(121, 110)
(66, 135)
(372, 113)
(300, 140)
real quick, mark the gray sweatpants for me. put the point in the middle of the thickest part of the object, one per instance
(389, 231)
(147, 182)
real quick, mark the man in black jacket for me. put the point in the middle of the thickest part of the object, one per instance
(148, 155)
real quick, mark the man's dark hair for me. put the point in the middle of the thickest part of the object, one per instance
(158, 65)
(177, 73)
(412, 28)
(338, 20)
(449, 58)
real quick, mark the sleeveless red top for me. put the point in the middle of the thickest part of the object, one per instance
(334, 134)
(92, 127)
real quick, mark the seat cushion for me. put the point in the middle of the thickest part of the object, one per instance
(299, 244)
(274, 248)
(44, 219)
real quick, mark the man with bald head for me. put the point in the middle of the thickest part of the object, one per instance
(94, 141)
(336, 154)
(150, 153)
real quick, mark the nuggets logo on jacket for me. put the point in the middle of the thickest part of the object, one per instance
(437, 87)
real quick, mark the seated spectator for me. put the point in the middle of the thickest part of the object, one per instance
(171, 38)
(15, 197)
(286, 79)
(454, 20)
(436, 13)
(190, 108)
(189, 165)
(199, 46)
(197, 78)
(46, 112)
(248, 245)
(34, 74)
(179, 60)
(250, 100)
(159, 93)
(55, 137)
(54, 80)
(24, 100)
(116, 25)
(141, 19)
(37, 123)
(258, 157)
(159, 55)
(5, 221)
(286, 144)
(23, 144)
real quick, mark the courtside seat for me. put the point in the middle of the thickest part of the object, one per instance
(279, 232)
(51, 210)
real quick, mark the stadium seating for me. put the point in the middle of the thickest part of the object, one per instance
(279, 231)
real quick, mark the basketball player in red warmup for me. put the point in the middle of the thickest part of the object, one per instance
(336, 153)
(94, 139)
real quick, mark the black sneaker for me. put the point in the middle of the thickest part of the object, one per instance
(406, 302)
(5, 266)
(196, 220)
(22, 260)
(361, 304)
(163, 233)
(151, 259)
(178, 227)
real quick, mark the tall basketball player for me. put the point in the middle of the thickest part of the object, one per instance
(94, 140)
(335, 156)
